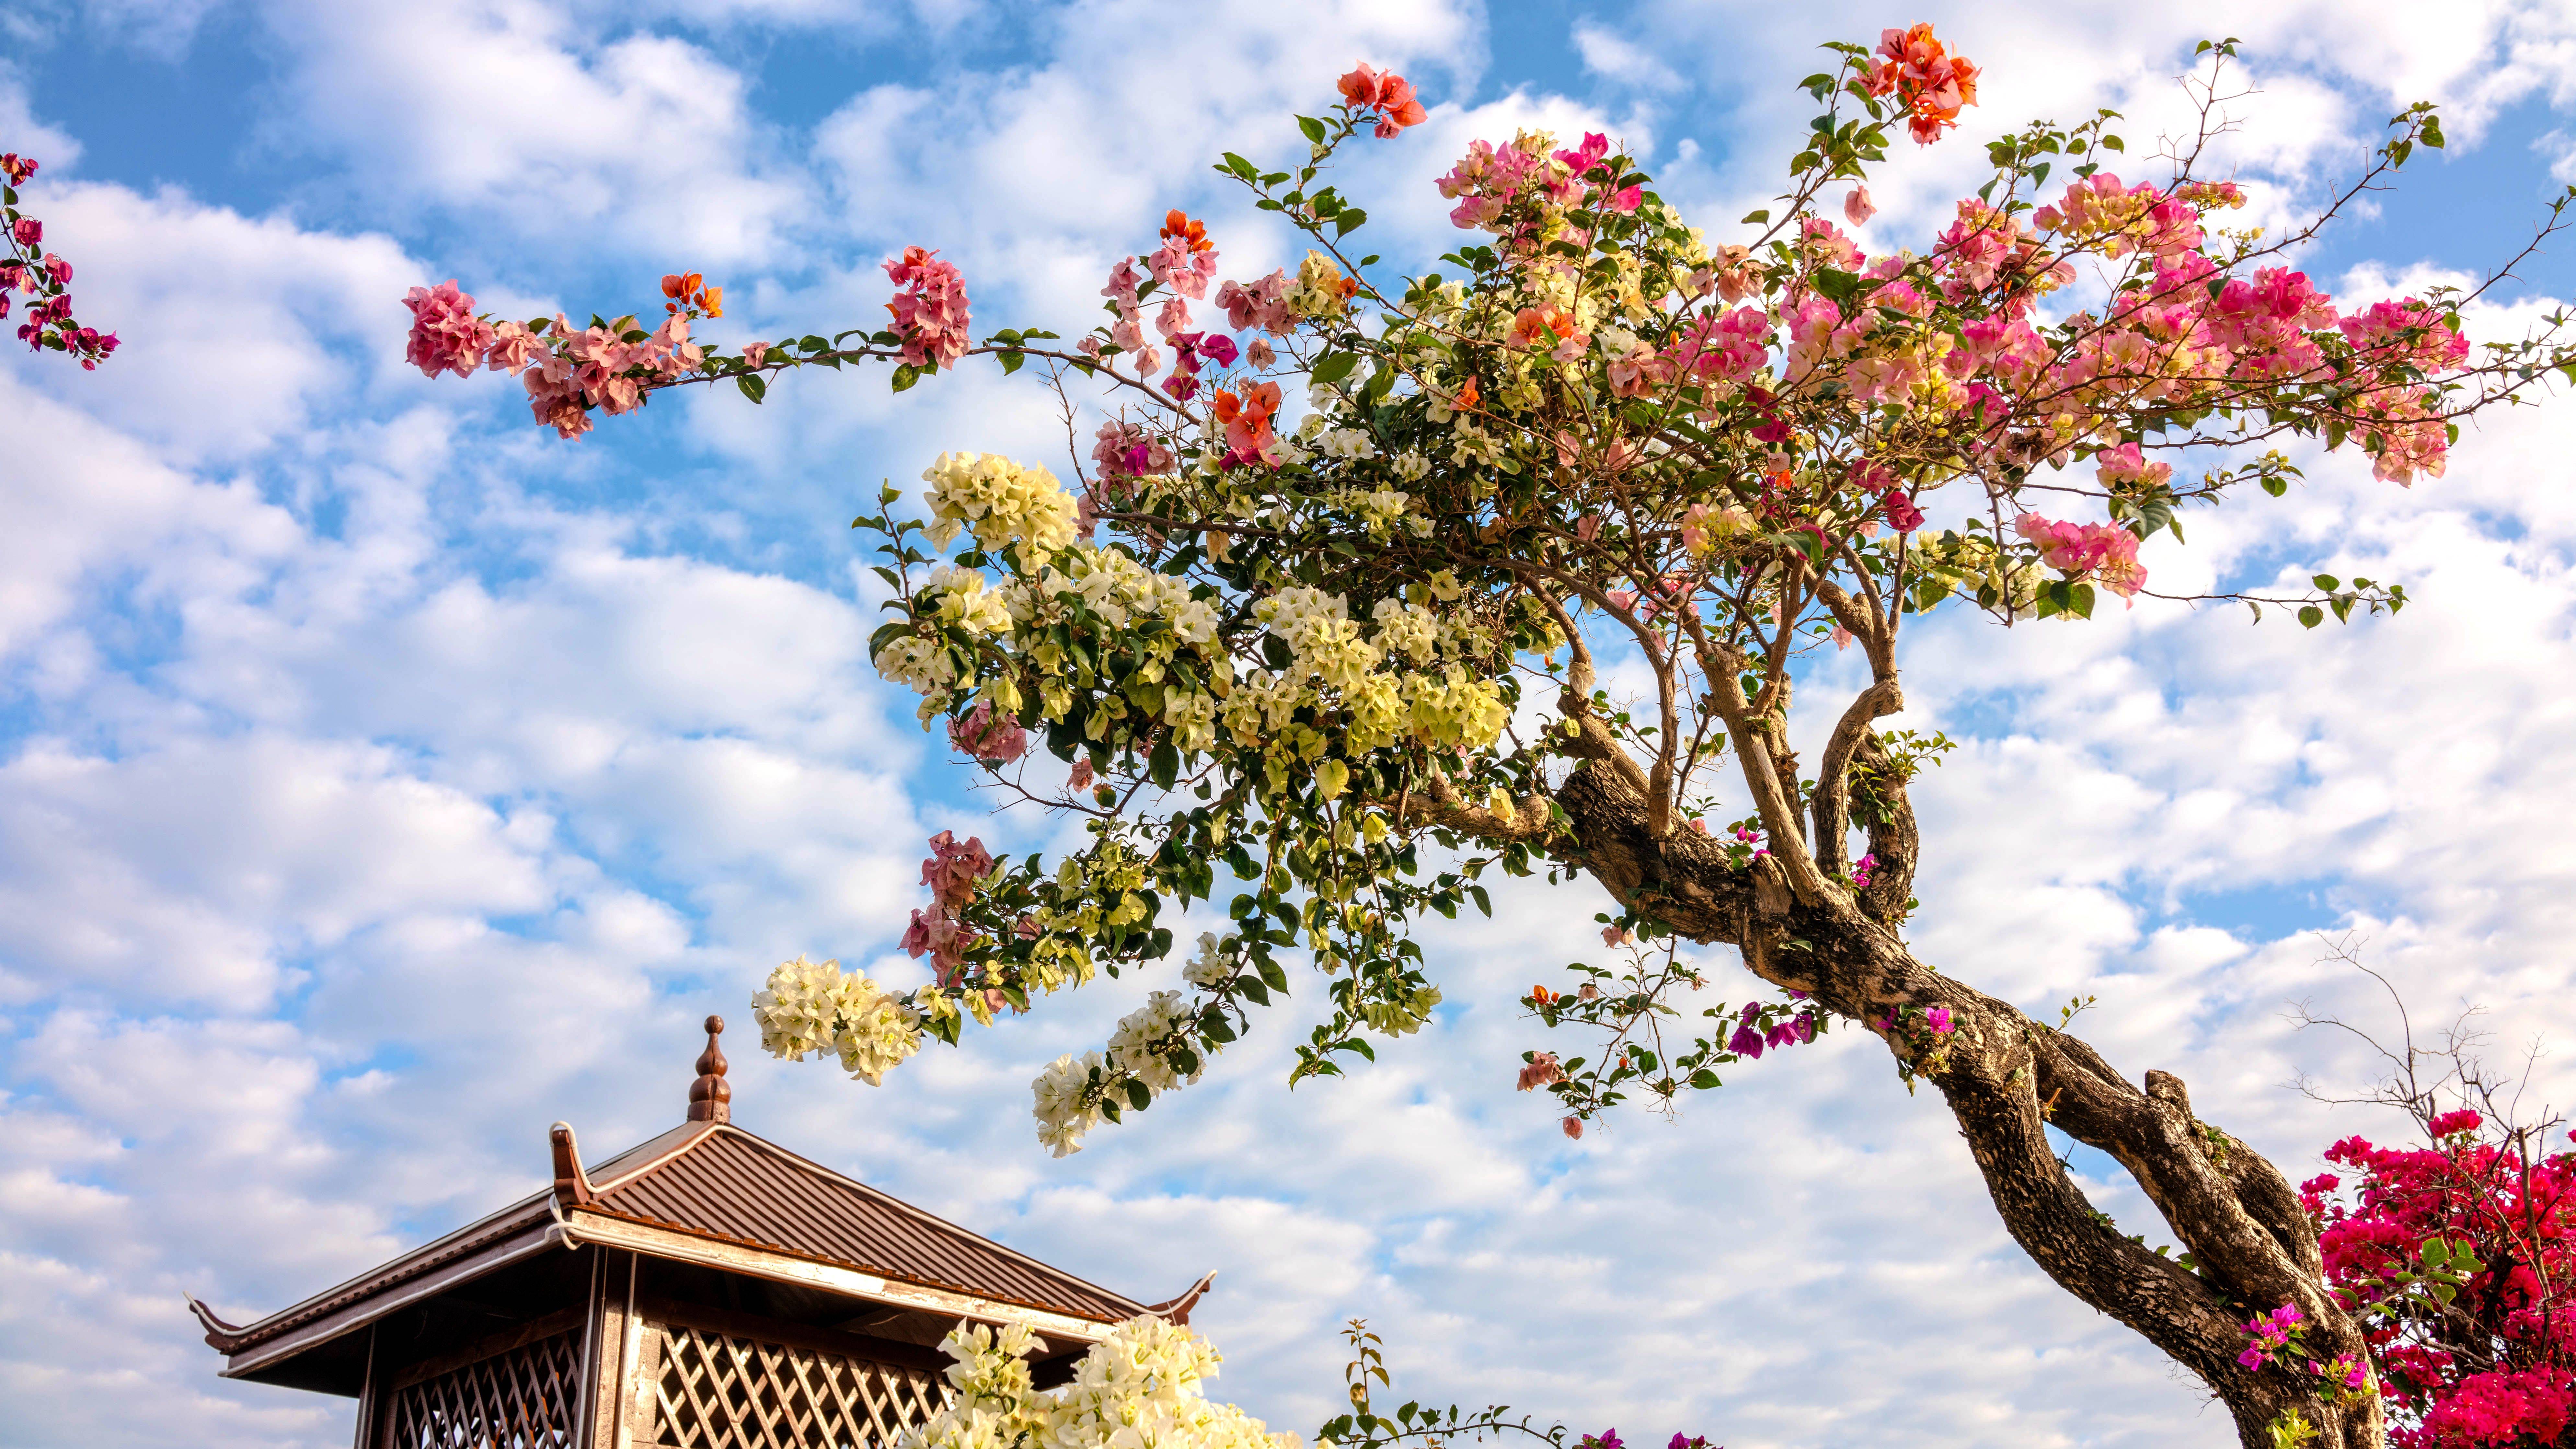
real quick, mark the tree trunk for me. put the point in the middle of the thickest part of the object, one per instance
(2007, 1077)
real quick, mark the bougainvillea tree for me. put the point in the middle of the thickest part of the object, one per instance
(1319, 631)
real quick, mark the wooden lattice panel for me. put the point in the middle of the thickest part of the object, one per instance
(712, 1390)
(521, 1398)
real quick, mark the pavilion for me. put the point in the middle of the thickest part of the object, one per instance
(707, 1289)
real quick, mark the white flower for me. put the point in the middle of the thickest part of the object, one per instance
(1410, 465)
(1064, 1108)
(812, 1006)
(917, 664)
(1001, 501)
(1209, 968)
(1139, 1388)
(1141, 1045)
(1348, 443)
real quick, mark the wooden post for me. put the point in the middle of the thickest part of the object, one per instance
(612, 1353)
(369, 1400)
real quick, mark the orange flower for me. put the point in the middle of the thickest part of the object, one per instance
(1179, 227)
(1467, 395)
(681, 284)
(712, 300)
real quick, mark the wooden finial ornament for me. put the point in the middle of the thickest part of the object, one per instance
(710, 1099)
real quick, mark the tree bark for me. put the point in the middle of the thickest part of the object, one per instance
(2006, 1078)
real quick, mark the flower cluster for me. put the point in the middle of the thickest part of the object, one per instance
(816, 1007)
(2104, 552)
(1141, 1387)
(1001, 502)
(1925, 78)
(1385, 94)
(2454, 1256)
(2267, 1333)
(26, 267)
(954, 872)
(930, 315)
(611, 366)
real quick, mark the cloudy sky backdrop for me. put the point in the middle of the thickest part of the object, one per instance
(382, 779)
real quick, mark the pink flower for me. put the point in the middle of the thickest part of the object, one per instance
(1573, 1128)
(1857, 207)
(755, 352)
(2124, 464)
(986, 735)
(1186, 272)
(1388, 94)
(1082, 773)
(2453, 1124)
(30, 231)
(2105, 551)
(952, 871)
(940, 936)
(512, 348)
(1615, 936)
(931, 313)
(1901, 513)
(446, 336)
(1123, 283)
(1541, 1071)
(1938, 1018)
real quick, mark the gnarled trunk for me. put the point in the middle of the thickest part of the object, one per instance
(2006, 1077)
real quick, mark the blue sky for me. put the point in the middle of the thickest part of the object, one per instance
(382, 779)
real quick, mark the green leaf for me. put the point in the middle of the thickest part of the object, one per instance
(1271, 974)
(1166, 765)
(2328, 583)
(1350, 220)
(753, 385)
(1483, 902)
(1139, 1095)
(1313, 128)
(2310, 616)
(1836, 284)
(905, 375)
(1752, 217)
(1332, 367)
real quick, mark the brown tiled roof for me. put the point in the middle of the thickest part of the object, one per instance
(718, 1181)
(737, 1187)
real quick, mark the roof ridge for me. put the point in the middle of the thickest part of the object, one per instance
(924, 1215)
(690, 1134)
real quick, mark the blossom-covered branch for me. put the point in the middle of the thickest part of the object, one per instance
(26, 267)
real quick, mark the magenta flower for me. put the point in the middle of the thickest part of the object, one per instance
(1938, 1018)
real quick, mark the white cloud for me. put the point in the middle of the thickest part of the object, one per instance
(1608, 55)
